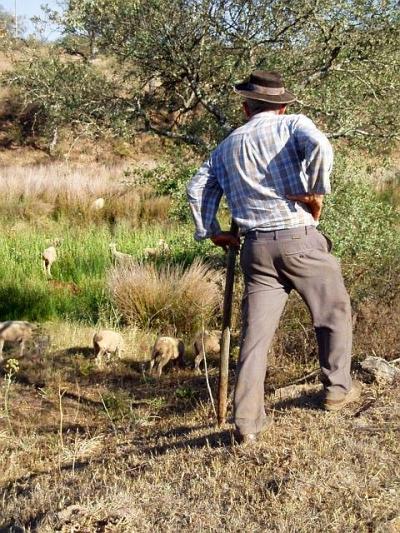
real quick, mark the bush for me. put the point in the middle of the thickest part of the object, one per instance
(171, 181)
(364, 228)
(169, 299)
(56, 92)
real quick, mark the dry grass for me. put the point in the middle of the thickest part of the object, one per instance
(116, 451)
(155, 209)
(59, 190)
(152, 297)
(377, 329)
(75, 338)
(28, 154)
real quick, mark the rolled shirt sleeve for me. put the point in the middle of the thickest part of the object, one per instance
(204, 195)
(317, 155)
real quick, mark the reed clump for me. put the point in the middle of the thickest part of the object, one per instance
(169, 298)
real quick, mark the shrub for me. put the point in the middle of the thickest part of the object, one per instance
(170, 299)
(171, 180)
(59, 93)
(364, 229)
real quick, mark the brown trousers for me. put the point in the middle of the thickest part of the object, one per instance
(273, 264)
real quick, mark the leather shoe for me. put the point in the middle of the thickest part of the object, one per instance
(337, 403)
(246, 439)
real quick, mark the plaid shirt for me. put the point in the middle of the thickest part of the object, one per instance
(256, 167)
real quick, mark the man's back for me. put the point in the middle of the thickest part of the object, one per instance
(262, 162)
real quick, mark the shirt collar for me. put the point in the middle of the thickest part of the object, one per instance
(263, 114)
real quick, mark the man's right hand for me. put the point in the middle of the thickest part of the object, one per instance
(226, 240)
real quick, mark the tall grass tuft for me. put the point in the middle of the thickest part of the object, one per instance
(170, 298)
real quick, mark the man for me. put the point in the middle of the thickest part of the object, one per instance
(274, 172)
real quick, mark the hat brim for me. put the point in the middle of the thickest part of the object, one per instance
(247, 91)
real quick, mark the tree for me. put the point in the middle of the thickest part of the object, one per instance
(6, 27)
(341, 58)
(56, 93)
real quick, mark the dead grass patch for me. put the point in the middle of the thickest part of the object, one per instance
(164, 298)
(59, 190)
(119, 451)
(156, 208)
(162, 465)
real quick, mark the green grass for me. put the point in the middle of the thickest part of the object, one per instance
(82, 265)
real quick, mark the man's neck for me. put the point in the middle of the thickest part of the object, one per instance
(270, 112)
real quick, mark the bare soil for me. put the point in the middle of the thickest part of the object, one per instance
(89, 451)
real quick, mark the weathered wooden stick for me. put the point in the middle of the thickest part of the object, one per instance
(226, 331)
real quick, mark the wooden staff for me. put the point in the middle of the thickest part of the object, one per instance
(226, 330)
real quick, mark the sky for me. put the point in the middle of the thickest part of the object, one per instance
(28, 9)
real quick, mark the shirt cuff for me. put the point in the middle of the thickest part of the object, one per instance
(321, 189)
(215, 228)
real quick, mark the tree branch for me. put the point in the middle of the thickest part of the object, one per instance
(188, 139)
(323, 71)
(354, 132)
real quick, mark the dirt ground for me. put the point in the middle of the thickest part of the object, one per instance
(89, 451)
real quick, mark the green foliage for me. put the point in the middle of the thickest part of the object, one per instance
(58, 92)
(330, 54)
(182, 57)
(365, 230)
(171, 180)
(82, 22)
(185, 393)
